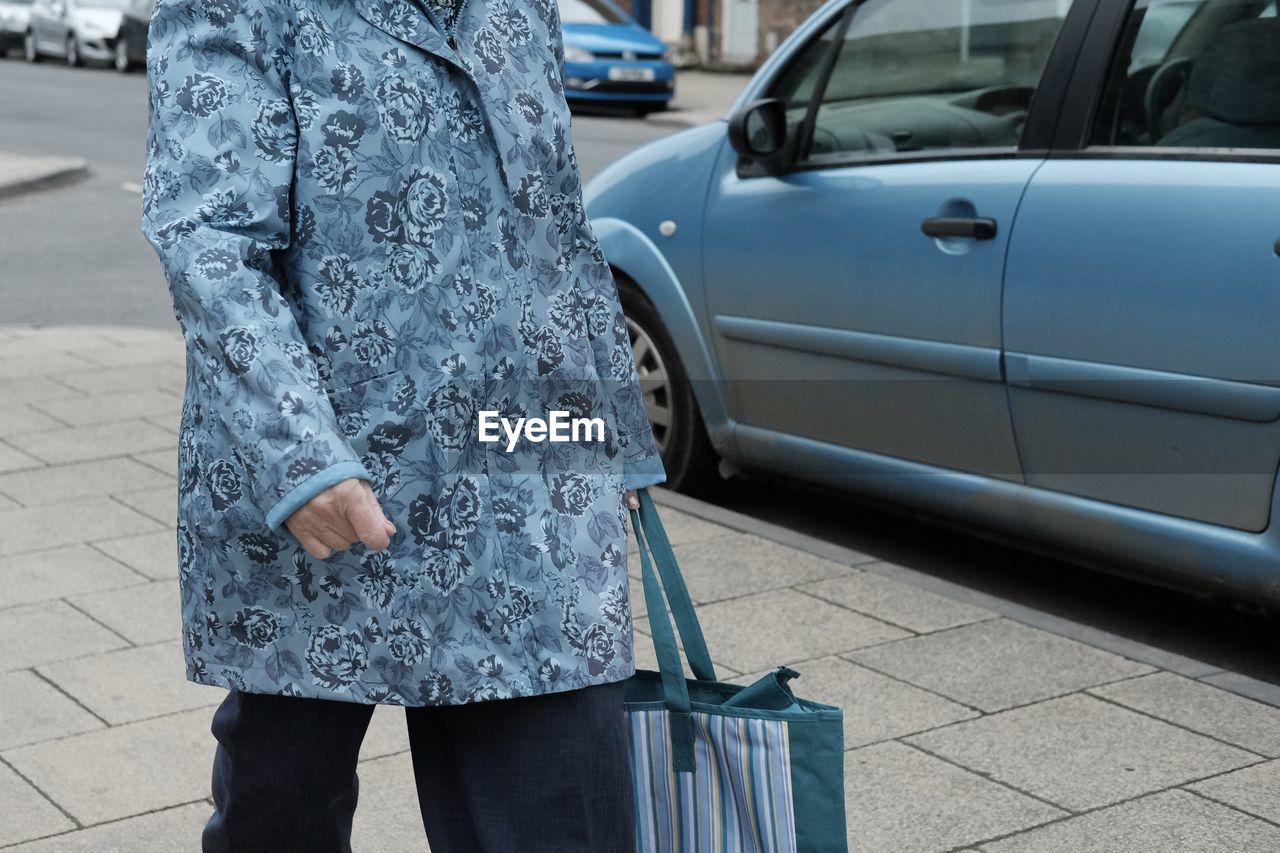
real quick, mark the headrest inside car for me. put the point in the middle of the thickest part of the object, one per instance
(1237, 80)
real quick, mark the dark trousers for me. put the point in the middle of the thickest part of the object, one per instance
(546, 773)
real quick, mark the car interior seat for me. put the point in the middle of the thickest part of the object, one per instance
(1234, 91)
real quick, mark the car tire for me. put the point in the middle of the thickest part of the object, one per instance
(687, 454)
(29, 50)
(120, 58)
(72, 49)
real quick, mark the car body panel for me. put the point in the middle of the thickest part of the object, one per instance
(14, 20)
(846, 324)
(1146, 370)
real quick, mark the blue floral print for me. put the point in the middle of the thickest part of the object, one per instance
(370, 216)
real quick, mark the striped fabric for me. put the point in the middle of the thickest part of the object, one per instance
(738, 801)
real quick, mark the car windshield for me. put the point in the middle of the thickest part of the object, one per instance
(589, 12)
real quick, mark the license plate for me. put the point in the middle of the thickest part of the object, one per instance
(630, 73)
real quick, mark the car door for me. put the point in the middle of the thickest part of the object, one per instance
(855, 299)
(1142, 300)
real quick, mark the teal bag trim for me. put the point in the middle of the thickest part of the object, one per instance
(675, 690)
(677, 594)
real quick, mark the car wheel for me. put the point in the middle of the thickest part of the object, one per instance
(122, 61)
(73, 52)
(29, 50)
(687, 455)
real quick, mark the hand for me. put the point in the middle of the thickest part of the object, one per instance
(340, 516)
(633, 500)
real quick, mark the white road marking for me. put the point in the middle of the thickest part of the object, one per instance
(131, 187)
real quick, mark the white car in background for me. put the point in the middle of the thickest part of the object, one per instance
(13, 24)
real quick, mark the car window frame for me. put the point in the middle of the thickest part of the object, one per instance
(1042, 116)
(1083, 102)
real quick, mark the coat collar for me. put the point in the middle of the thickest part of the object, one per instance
(409, 22)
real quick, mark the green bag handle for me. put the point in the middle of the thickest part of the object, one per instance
(677, 594)
(674, 689)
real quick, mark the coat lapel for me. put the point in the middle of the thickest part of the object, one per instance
(409, 22)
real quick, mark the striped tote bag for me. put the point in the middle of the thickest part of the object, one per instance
(723, 768)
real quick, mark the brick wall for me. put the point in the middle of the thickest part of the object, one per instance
(777, 18)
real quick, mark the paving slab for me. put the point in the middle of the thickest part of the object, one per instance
(27, 814)
(124, 770)
(97, 381)
(733, 566)
(77, 444)
(32, 634)
(132, 684)
(682, 528)
(164, 461)
(34, 710)
(25, 366)
(18, 418)
(154, 555)
(1255, 790)
(876, 707)
(173, 830)
(13, 459)
(387, 815)
(143, 613)
(768, 629)
(160, 503)
(1161, 823)
(1201, 707)
(899, 799)
(123, 406)
(59, 572)
(387, 734)
(168, 350)
(35, 528)
(94, 478)
(997, 664)
(30, 387)
(897, 603)
(1080, 752)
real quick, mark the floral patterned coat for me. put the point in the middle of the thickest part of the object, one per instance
(370, 217)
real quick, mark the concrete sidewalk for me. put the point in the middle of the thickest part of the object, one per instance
(701, 97)
(20, 173)
(971, 723)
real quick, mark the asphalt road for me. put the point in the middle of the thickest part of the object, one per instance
(109, 273)
(74, 254)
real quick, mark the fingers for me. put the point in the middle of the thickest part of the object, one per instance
(633, 500)
(334, 520)
(367, 522)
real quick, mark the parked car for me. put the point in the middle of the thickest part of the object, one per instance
(13, 23)
(81, 31)
(1013, 262)
(612, 60)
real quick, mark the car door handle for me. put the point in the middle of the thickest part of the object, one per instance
(975, 228)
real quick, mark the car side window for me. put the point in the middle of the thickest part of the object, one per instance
(918, 75)
(1194, 74)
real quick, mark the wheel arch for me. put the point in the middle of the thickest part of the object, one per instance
(632, 255)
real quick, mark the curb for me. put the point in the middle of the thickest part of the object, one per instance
(1232, 682)
(35, 173)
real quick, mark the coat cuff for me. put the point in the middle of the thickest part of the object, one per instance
(299, 495)
(642, 463)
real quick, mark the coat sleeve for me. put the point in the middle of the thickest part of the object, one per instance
(220, 156)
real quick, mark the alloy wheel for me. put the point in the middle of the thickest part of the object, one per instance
(655, 382)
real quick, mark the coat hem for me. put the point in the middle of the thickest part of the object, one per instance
(312, 691)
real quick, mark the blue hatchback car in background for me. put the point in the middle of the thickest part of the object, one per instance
(611, 60)
(1012, 262)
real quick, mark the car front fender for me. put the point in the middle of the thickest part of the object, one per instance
(633, 254)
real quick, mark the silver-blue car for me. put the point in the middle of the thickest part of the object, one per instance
(1013, 262)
